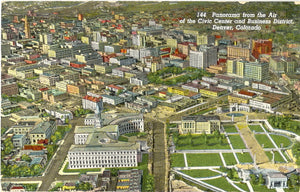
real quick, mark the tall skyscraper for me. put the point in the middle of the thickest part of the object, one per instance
(205, 57)
(257, 71)
(231, 66)
(27, 28)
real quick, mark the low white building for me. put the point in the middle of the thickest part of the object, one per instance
(48, 79)
(260, 103)
(60, 114)
(112, 100)
(102, 154)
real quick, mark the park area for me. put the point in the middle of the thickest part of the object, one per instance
(204, 159)
(244, 157)
(177, 160)
(264, 141)
(198, 173)
(281, 140)
(237, 142)
(230, 128)
(229, 158)
(201, 141)
(256, 128)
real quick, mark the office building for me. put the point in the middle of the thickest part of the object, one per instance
(256, 71)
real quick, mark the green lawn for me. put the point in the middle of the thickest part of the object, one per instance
(242, 186)
(221, 183)
(263, 139)
(287, 158)
(256, 128)
(230, 128)
(122, 138)
(278, 139)
(237, 142)
(278, 157)
(262, 188)
(204, 111)
(198, 142)
(207, 159)
(200, 173)
(177, 160)
(82, 171)
(229, 158)
(244, 158)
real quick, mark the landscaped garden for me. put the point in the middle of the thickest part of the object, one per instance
(277, 158)
(200, 141)
(264, 141)
(177, 160)
(230, 128)
(221, 183)
(197, 173)
(278, 139)
(244, 157)
(205, 159)
(242, 186)
(229, 158)
(284, 122)
(237, 142)
(81, 171)
(256, 128)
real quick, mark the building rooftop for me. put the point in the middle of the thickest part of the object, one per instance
(55, 92)
(105, 147)
(41, 127)
(276, 175)
(201, 118)
(244, 92)
(91, 98)
(115, 87)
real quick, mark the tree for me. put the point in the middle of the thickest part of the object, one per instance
(150, 183)
(85, 186)
(67, 120)
(253, 179)
(25, 157)
(53, 139)
(36, 169)
(8, 146)
(114, 172)
(261, 180)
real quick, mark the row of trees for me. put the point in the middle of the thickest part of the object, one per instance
(8, 146)
(60, 132)
(191, 74)
(82, 111)
(294, 182)
(20, 171)
(296, 152)
(257, 180)
(84, 186)
(284, 122)
(215, 136)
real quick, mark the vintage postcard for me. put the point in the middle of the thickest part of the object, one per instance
(150, 96)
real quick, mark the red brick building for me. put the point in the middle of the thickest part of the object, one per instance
(261, 47)
(8, 85)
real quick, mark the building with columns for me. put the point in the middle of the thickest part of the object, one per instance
(276, 180)
(96, 143)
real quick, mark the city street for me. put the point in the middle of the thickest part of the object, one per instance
(52, 173)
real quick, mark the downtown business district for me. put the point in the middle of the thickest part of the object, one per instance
(55, 71)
